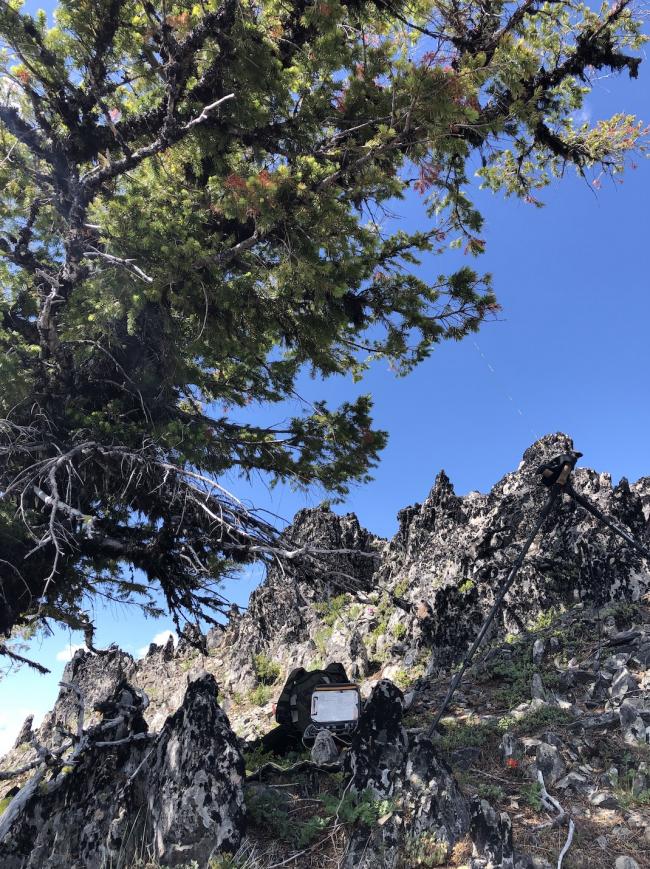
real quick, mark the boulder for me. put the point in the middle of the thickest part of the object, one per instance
(511, 747)
(622, 683)
(537, 690)
(324, 749)
(603, 800)
(632, 723)
(623, 862)
(549, 762)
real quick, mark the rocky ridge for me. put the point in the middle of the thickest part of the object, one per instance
(561, 689)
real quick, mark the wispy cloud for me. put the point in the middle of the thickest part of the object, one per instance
(67, 653)
(160, 639)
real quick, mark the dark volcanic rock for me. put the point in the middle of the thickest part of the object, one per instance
(177, 796)
(380, 742)
(25, 733)
(453, 551)
(492, 837)
(406, 608)
(96, 676)
(420, 785)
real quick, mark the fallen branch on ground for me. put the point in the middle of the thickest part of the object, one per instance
(301, 766)
(551, 803)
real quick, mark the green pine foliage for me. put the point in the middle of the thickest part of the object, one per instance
(192, 215)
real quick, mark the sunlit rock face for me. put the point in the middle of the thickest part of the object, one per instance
(409, 605)
(397, 614)
(427, 591)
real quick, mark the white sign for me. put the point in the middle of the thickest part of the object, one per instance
(334, 704)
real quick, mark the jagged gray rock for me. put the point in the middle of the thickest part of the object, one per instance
(404, 608)
(549, 762)
(537, 690)
(380, 743)
(178, 796)
(420, 784)
(25, 733)
(539, 647)
(431, 585)
(492, 837)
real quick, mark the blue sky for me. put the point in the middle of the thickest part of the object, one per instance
(570, 352)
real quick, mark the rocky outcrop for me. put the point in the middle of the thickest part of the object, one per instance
(175, 797)
(281, 611)
(417, 601)
(452, 551)
(427, 813)
(572, 678)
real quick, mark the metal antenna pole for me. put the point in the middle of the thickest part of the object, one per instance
(591, 508)
(455, 682)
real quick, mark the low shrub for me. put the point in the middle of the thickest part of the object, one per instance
(266, 670)
(260, 696)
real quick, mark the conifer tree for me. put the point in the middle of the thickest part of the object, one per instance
(191, 215)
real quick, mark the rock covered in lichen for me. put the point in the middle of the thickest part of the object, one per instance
(177, 796)
(426, 813)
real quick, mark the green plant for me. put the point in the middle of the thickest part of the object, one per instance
(227, 861)
(402, 587)
(331, 610)
(491, 793)
(426, 850)
(266, 670)
(379, 630)
(353, 807)
(545, 619)
(371, 639)
(260, 695)
(532, 793)
(466, 734)
(4, 802)
(628, 768)
(187, 663)
(628, 799)
(405, 678)
(516, 672)
(257, 757)
(322, 638)
(546, 716)
(467, 586)
(270, 810)
(399, 630)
